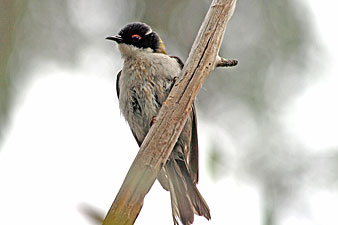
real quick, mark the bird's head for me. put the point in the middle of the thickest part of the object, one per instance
(138, 37)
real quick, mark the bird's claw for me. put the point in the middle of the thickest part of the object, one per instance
(153, 120)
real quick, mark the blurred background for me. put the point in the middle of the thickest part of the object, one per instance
(267, 128)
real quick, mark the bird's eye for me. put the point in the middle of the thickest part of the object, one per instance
(136, 37)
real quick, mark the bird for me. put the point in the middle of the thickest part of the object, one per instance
(142, 86)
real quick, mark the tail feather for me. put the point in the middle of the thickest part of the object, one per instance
(180, 202)
(200, 206)
(185, 197)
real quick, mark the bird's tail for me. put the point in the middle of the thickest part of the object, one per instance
(186, 200)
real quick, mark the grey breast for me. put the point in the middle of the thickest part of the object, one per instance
(144, 85)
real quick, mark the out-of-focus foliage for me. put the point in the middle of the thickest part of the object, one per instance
(32, 31)
(10, 12)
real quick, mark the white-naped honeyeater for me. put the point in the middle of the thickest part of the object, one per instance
(142, 85)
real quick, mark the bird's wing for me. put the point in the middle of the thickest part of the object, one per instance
(118, 96)
(192, 154)
(117, 84)
(179, 61)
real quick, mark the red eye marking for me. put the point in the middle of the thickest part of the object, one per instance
(138, 37)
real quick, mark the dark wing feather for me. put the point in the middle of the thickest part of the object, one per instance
(179, 61)
(117, 84)
(193, 156)
(193, 153)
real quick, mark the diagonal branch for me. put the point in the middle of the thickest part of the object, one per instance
(173, 114)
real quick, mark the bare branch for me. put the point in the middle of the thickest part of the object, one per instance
(222, 62)
(169, 122)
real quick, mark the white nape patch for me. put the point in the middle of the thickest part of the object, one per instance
(149, 31)
(132, 51)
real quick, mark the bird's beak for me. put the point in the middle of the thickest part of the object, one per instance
(116, 38)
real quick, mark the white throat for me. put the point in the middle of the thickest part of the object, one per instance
(132, 51)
